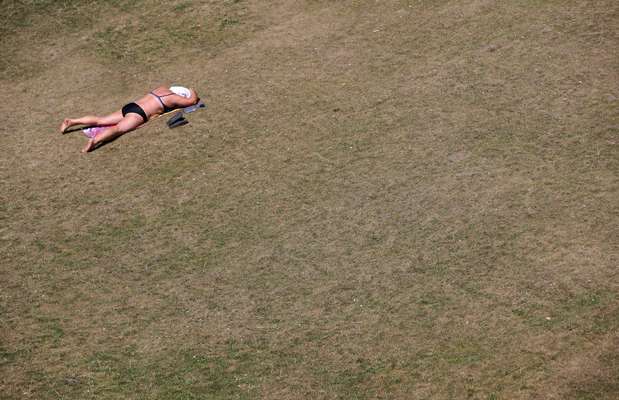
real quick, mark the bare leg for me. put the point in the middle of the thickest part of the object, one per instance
(130, 122)
(110, 119)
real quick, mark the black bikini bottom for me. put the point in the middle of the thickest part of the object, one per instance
(134, 108)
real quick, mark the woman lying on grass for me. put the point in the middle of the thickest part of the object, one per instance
(131, 116)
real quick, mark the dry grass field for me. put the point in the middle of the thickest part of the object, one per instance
(399, 199)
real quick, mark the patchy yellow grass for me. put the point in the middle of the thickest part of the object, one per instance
(401, 199)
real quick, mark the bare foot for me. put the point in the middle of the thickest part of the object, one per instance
(65, 124)
(90, 146)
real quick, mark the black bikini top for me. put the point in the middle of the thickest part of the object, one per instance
(165, 108)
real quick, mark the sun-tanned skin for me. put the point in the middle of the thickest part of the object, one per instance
(120, 125)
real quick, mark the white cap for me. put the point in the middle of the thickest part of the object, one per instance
(181, 91)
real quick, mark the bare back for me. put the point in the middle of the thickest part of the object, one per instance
(152, 105)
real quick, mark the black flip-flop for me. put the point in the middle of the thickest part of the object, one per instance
(178, 116)
(178, 122)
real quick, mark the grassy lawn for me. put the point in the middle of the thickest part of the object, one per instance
(383, 200)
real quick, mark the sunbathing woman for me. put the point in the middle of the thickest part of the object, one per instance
(130, 117)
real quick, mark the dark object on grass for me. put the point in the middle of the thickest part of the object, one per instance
(175, 117)
(180, 122)
(177, 120)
